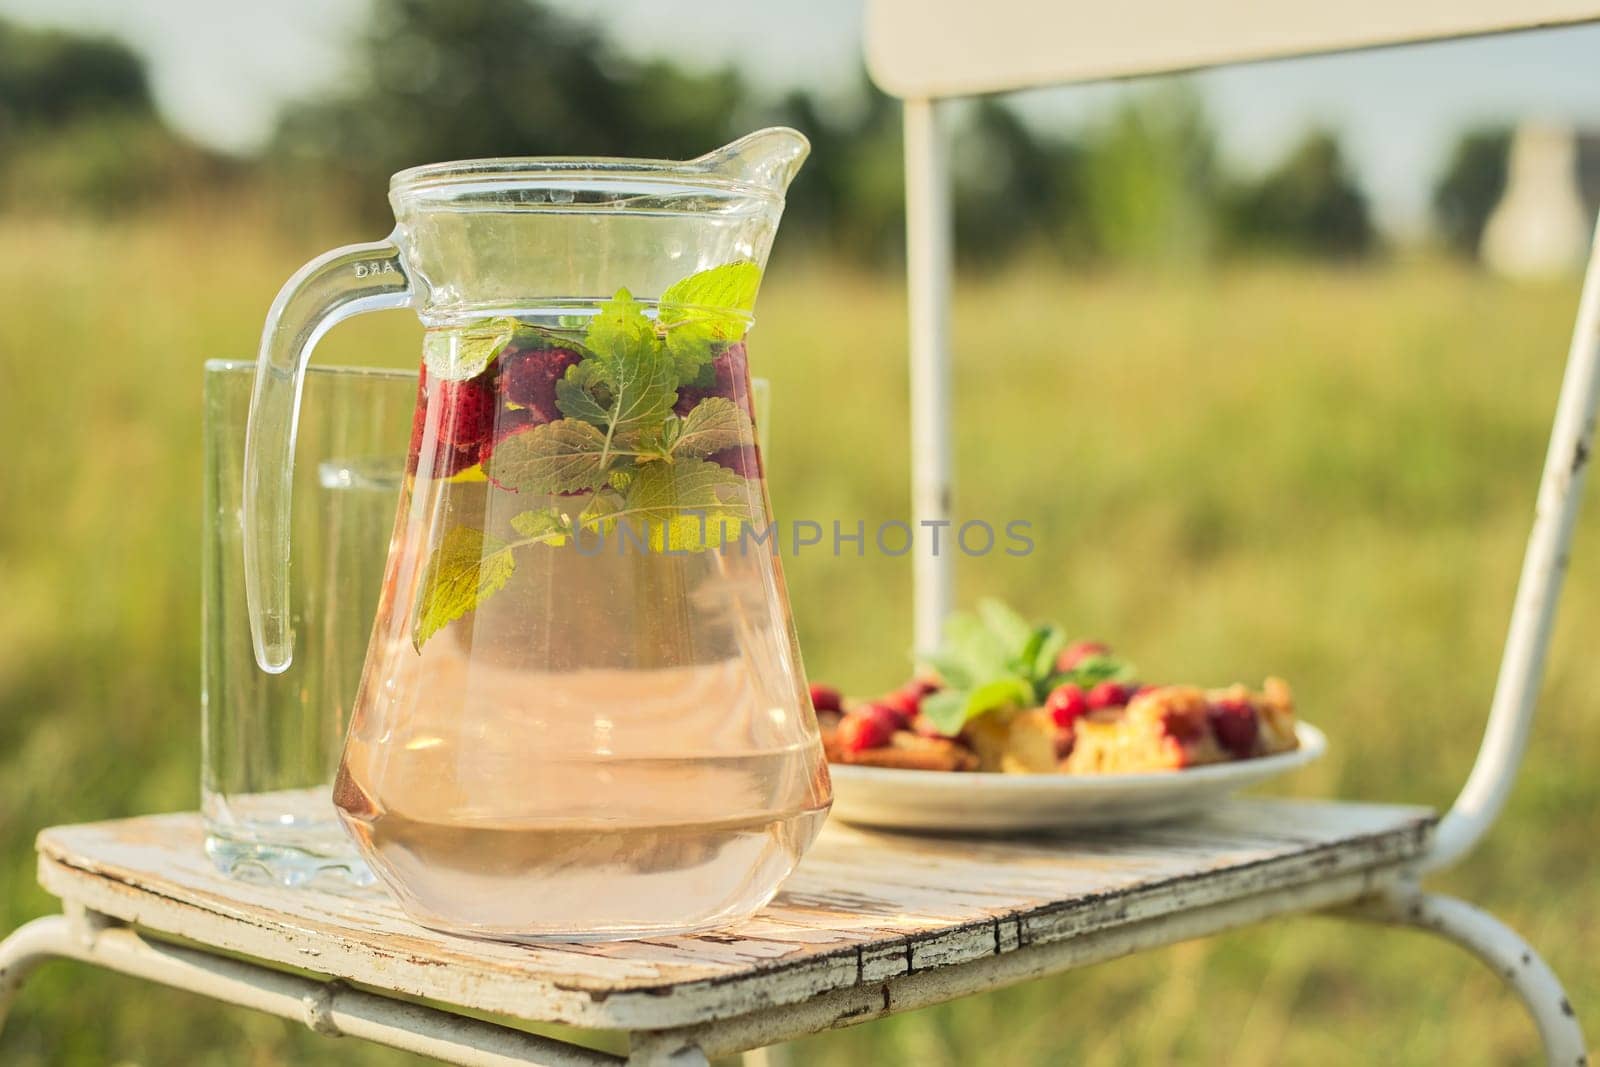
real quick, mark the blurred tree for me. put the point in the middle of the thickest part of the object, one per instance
(1470, 187)
(1150, 178)
(471, 78)
(79, 130)
(49, 78)
(105, 165)
(1308, 204)
(1012, 187)
(459, 79)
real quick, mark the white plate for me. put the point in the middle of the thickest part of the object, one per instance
(942, 800)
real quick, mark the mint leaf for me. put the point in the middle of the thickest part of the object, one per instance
(997, 695)
(620, 330)
(575, 394)
(1051, 640)
(705, 310)
(547, 526)
(730, 287)
(630, 384)
(705, 378)
(600, 514)
(1090, 672)
(530, 336)
(466, 568)
(951, 709)
(458, 354)
(692, 343)
(954, 672)
(650, 446)
(969, 642)
(946, 709)
(1008, 627)
(644, 388)
(712, 425)
(671, 433)
(555, 457)
(688, 505)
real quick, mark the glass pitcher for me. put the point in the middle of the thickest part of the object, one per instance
(583, 712)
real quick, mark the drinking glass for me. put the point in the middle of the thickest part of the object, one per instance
(271, 741)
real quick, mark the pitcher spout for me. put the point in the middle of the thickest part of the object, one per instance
(768, 159)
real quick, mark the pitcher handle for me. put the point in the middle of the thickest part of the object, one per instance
(327, 290)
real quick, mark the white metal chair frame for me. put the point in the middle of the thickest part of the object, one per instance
(915, 52)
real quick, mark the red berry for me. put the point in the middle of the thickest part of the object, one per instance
(529, 378)
(826, 698)
(731, 370)
(1066, 703)
(908, 698)
(1182, 726)
(1079, 651)
(461, 416)
(1108, 695)
(1141, 690)
(688, 397)
(419, 422)
(897, 717)
(466, 412)
(900, 702)
(862, 730)
(1235, 724)
(507, 422)
(743, 460)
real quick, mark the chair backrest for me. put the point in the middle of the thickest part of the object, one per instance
(929, 51)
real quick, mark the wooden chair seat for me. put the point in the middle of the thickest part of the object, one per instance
(866, 913)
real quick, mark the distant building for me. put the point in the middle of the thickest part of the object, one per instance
(1545, 219)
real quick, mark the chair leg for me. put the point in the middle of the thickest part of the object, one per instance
(1504, 951)
(21, 954)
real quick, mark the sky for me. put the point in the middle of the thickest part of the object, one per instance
(221, 70)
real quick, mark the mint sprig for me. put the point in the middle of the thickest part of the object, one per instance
(621, 453)
(995, 660)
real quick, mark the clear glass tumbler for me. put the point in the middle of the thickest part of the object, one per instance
(271, 741)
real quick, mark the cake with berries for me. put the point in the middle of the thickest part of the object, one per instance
(1016, 699)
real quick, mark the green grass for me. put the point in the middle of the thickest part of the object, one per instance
(1320, 473)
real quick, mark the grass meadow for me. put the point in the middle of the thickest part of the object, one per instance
(1317, 472)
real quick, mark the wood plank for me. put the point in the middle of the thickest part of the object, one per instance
(865, 907)
(927, 49)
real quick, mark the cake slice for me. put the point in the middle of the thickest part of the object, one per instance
(1182, 726)
(1159, 730)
